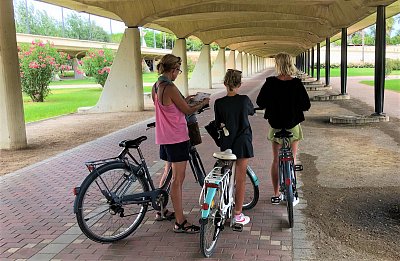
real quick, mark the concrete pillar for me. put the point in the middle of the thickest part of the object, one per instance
(239, 61)
(78, 73)
(250, 64)
(231, 63)
(182, 81)
(12, 124)
(123, 90)
(245, 65)
(218, 69)
(254, 62)
(201, 77)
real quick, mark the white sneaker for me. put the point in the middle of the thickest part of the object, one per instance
(295, 201)
(242, 219)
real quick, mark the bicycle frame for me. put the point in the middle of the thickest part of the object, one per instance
(285, 155)
(219, 179)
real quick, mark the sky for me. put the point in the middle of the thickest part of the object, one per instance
(55, 12)
(114, 26)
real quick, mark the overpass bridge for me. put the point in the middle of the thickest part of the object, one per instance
(77, 48)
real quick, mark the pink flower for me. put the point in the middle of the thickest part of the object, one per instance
(40, 44)
(33, 65)
(101, 52)
(79, 71)
(43, 65)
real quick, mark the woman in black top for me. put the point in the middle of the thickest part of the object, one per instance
(284, 99)
(232, 111)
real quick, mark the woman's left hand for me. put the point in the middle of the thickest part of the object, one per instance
(187, 99)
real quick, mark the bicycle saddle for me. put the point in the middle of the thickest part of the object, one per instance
(283, 134)
(225, 155)
(132, 143)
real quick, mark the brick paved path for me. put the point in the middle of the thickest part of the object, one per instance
(37, 220)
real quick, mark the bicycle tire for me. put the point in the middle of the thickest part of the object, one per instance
(252, 193)
(289, 194)
(210, 229)
(197, 167)
(100, 220)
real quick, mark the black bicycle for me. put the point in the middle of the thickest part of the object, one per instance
(113, 199)
(287, 173)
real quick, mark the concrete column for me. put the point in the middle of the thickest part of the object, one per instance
(182, 81)
(123, 90)
(245, 66)
(239, 61)
(12, 124)
(254, 64)
(250, 64)
(201, 77)
(78, 74)
(218, 69)
(231, 63)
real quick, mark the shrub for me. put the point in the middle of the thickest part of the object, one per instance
(38, 62)
(97, 63)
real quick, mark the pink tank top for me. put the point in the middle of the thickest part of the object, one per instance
(171, 126)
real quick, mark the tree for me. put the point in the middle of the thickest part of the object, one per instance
(38, 62)
(97, 63)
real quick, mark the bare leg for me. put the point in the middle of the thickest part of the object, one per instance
(164, 175)
(178, 176)
(274, 167)
(240, 176)
(294, 145)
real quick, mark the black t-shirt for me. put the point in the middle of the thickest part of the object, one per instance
(284, 102)
(233, 111)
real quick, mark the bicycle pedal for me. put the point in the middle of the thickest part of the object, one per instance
(298, 167)
(237, 227)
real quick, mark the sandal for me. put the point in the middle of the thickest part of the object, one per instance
(180, 228)
(168, 215)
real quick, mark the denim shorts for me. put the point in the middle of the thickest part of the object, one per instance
(296, 130)
(175, 152)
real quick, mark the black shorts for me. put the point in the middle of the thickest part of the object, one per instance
(175, 152)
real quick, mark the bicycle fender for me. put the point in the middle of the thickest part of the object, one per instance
(76, 205)
(209, 197)
(253, 175)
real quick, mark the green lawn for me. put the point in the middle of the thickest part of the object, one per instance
(59, 102)
(335, 72)
(393, 84)
(62, 101)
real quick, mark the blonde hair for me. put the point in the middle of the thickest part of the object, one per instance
(233, 79)
(284, 64)
(168, 63)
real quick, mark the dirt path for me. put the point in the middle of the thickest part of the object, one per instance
(50, 137)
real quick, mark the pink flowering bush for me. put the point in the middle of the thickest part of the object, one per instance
(97, 63)
(38, 62)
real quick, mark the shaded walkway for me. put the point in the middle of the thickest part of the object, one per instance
(37, 220)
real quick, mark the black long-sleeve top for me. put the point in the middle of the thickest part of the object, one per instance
(284, 102)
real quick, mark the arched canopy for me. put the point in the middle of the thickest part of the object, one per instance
(260, 27)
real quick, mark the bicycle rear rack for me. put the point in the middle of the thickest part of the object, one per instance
(91, 165)
(215, 176)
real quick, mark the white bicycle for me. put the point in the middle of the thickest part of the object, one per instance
(218, 197)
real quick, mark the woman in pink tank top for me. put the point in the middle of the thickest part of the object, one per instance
(172, 133)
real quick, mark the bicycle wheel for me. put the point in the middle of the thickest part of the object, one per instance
(101, 218)
(289, 194)
(252, 192)
(210, 227)
(197, 167)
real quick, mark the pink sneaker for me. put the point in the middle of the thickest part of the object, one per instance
(241, 219)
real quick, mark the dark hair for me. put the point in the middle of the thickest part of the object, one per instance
(168, 63)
